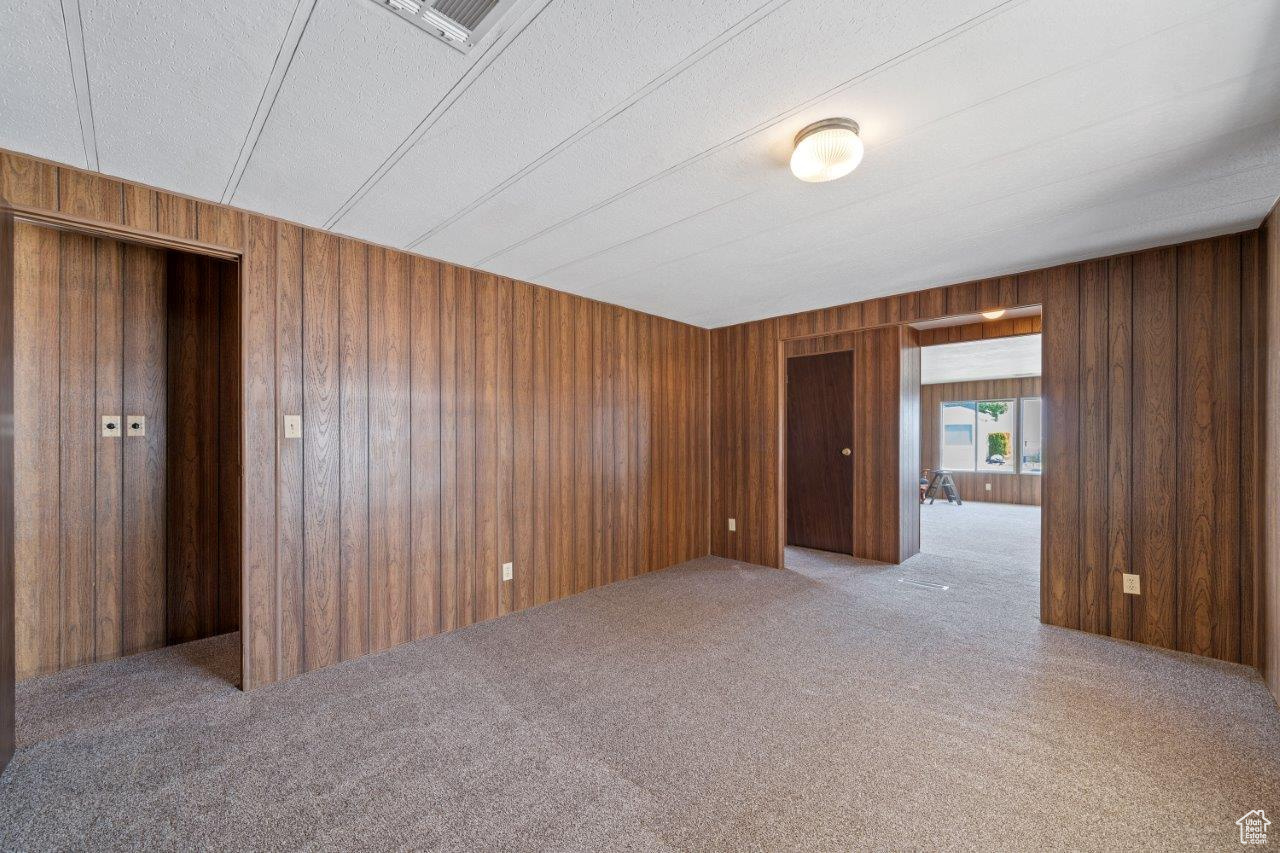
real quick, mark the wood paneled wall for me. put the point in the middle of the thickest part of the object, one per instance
(1152, 389)
(886, 443)
(1005, 488)
(1008, 327)
(452, 421)
(8, 674)
(1268, 603)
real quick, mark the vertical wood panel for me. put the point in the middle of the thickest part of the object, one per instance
(259, 581)
(321, 441)
(584, 461)
(1060, 574)
(79, 424)
(524, 499)
(193, 544)
(449, 509)
(36, 370)
(230, 445)
(289, 476)
(389, 502)
(108, 455)
(486, 448)
(1155, 447)
(506, 441)
(465, 355)
(1119, 444)
(562, 431)
(425, 417)
(353, 323)
(1095, 593)
(542, 471)
(8, 655)
(1208, 448)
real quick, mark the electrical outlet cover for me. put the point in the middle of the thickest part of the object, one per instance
(1132, 584)
(507, 572)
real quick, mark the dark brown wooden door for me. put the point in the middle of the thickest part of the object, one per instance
(819, 431)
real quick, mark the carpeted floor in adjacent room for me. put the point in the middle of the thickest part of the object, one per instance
(711, 706)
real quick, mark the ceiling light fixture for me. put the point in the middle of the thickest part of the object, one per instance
(826, 150)
(993, 315)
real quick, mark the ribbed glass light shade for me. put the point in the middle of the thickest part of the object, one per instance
(826, 150)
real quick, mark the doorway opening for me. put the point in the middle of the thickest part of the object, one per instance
(981, 440)
(127, 479)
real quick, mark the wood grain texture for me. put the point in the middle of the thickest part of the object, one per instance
(200, 436)
(260, 604)
(37, 369)
(425, 446)
(290, 623)
(1128, 380)
(353, 465)
(8, 658)
(126, 548)
(108, 457)
(1267, 578)
(145, 360)
(819, 427)
(986, 330)
(452, 421)
(321, 444)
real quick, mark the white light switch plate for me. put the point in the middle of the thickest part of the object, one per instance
(1133, 584)
(733, 525)
(293, 426)
(507, 572)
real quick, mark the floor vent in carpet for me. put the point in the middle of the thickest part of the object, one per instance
(925, 584)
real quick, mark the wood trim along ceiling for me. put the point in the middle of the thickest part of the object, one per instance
(452, 421)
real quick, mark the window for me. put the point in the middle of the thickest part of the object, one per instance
(958, 429)
(995, 436)
(1030, 432)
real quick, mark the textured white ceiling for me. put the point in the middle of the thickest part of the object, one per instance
(636, 152)
(997, 358)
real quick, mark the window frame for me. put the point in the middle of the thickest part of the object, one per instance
(1017, 401)
(1039, 398)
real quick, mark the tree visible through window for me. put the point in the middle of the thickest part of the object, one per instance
(983, 435)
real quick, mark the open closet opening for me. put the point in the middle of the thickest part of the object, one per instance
(127, 485)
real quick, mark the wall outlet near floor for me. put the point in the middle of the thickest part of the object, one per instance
(733, 525)
(1132, 584)
(293, 426)
(988, 485)
(507, 572)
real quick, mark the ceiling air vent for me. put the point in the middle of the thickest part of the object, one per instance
(458, 23)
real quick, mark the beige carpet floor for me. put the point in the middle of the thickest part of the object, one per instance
(713, 706)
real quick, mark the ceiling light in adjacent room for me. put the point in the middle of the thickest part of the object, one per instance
(826, 150)
(993, 315)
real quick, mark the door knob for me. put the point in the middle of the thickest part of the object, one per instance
(846, 452)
